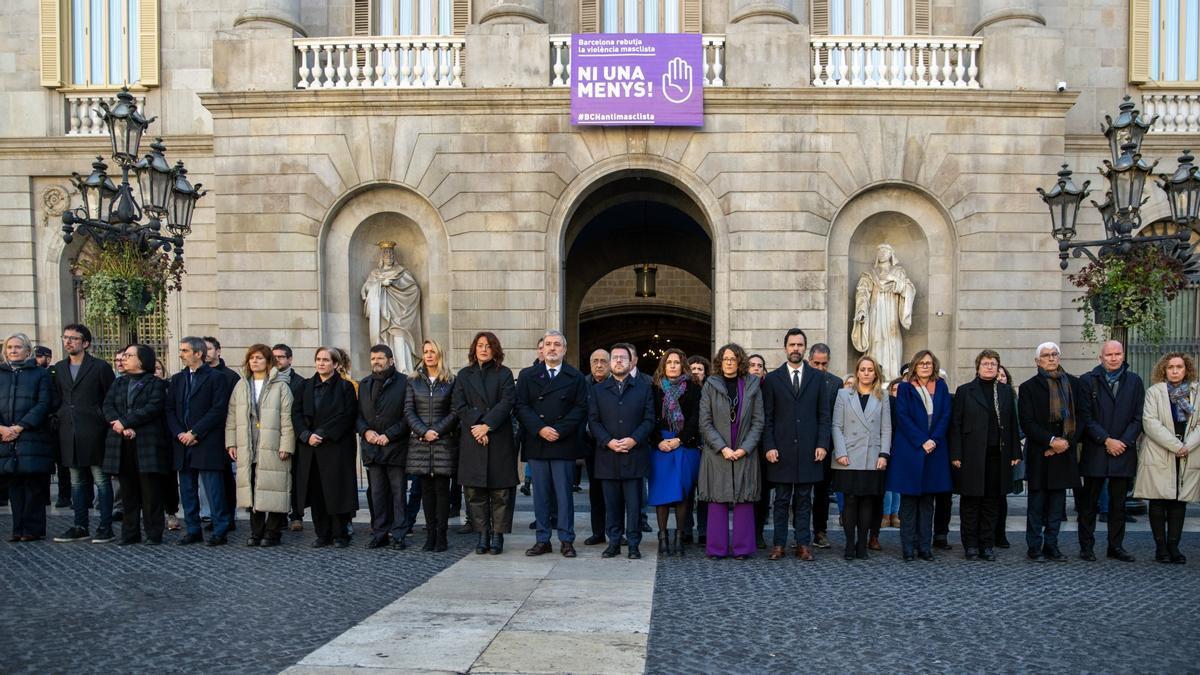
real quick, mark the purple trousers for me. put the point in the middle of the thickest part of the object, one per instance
(718, 529)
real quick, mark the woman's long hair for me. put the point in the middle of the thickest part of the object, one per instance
(877, 385)
(261, 350)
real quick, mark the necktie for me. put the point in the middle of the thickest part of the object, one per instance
(187, 395)
(552, 373)
(796, 381)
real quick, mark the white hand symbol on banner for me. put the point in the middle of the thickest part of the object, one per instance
(677, 81)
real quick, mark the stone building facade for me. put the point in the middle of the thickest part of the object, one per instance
(508, 215)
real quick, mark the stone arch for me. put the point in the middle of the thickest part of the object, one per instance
(928, 252)
(564, 224)
(354, 224)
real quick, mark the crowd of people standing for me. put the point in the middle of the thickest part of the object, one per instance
(721, 443)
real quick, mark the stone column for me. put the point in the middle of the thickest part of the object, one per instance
(257, 53)
(1019, 51)
(509, 46)
(766, 45)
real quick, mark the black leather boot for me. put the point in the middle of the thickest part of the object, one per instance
(440, 543)
(664, 547)
(430, 537)
(497, 543)
(679, 543)
(482, 546)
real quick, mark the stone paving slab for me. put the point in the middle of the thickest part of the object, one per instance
(519, 651)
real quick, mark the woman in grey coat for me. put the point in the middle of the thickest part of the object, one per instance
(862, 445)
(731, 425)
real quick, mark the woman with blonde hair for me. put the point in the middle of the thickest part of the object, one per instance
(862, 443)
(1167, 474)
(433, 454)
(260, 439)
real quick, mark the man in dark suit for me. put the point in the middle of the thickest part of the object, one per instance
(818, 358)
(214, 361)
(552, 404)
(796, 436)
(1115, 399)
(634, 371)
(197, 403)
(82, 381)
(282, 355)
(1053, 409)
(384, 447)
(621, 418)
(599, 373)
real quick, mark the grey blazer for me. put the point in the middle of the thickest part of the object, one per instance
(861, 435)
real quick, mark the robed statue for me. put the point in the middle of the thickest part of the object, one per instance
(392, 304)
(883, 305)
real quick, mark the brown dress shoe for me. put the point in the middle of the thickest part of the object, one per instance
(540, 548)
(886, 522)
(895, 521)
(873, 544)
(567, 549)
(777, 553)
(804, 553)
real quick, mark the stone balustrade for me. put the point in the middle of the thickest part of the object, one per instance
(388, 61)
(84, 116)
(714, 60)
(1178, 113)
(899, 61)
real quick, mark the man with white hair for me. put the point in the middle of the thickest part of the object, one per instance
(1054, 414)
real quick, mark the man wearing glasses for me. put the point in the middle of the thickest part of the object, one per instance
(82, 381)
(1054, 412)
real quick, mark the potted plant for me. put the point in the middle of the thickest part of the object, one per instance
(1130, 291)
(119, 281)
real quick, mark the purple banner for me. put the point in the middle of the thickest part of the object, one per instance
(654, 79)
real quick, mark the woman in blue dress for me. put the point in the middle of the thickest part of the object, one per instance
(675, 464)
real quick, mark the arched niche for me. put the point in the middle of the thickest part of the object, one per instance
(349, 250)
(924, 237)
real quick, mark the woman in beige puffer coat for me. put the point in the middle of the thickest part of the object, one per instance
(259, 437)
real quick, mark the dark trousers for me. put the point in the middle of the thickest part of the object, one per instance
(1166, 523)
(27, 493)
(916, 524)
(170, 493)
(1087, 502)
(943, 505)
(1046, 512)
(595, 498)
(491, 510)
(297, 512)
(552, 496)
(412, 503)
(977, 521)
(142, 493)
(65, 496)
(435, 495)
(820, 500)
(1000, 532)
(856, 522)
(265, 525)
(328, 526)
(388, 506)
(623, 515)
(230, 478)
(797, 498)
(190, 481)
(456, 496)
(876, 516)
(763, 507)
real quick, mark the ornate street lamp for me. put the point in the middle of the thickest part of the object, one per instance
(1064, 200)
(1183, 191)
(644, 281)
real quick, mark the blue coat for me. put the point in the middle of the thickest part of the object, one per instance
(206, 409)
(912, 471)
(1118, 417)
(560, 403)
(25, 401)
(628, 414)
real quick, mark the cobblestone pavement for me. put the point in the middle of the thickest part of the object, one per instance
(82, 607)
(950, 615)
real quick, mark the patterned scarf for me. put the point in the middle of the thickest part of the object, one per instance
(1113, 379)
(1181, 400)
(673, 390)
(1062, 406)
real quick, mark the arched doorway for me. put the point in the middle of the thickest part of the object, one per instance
(633, 221)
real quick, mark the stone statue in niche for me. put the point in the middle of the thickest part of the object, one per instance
(883, 305)
(392, 304)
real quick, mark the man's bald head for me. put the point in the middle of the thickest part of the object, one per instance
(1112, 355)
(598, 362)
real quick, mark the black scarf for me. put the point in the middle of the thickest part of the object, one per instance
(377, 381)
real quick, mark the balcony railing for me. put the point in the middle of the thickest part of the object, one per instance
(900, 61)
(390, 61)
(84, 117)
(714, 60)
(1177, 113)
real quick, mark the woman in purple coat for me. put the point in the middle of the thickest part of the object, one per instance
(920, 466)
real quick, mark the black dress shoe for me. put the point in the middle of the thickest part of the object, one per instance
(1177, 558)
(941, 544)
(988, 555)
(1087, 555)
(1002, 542)
(269, 543)
(341, 542)
(908, 557)
(568, 549)
(254, 541)
(1055, 555)
(1035, 555)
(497, 546)
(14, 539)
(612, 551)
(1120, 554)
(217, 541)
(379, 542)
(153, 541)
(593, 540)
(971, 554)
(927, 556)
(129, 541)
(322, 543)
(540, 548)
(190, 539)
(634, 553)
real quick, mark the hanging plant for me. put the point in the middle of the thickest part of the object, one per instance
(119, 282)
(1129, 292)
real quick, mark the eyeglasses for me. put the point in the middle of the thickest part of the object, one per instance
(1049, 355)
(72, 338)
(618, 358)
(729, 359)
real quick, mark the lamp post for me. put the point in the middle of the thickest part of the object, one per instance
(112, 215)
(1126, 173)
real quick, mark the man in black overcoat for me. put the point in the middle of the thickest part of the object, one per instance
(796, 438)
(819, 357)
(383, 445)
(552, 405)
(283, 357)
(1115, 398)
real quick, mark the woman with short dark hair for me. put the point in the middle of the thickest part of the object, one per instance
(675, 462)
(326, 461)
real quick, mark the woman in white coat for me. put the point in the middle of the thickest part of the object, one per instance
(862, 445)
(1167, 474)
